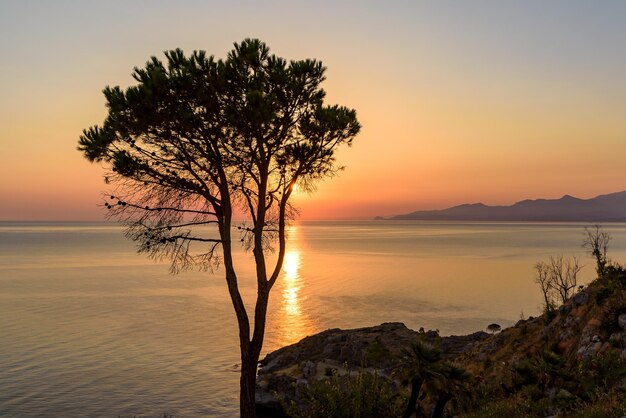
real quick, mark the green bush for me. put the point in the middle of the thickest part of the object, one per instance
(376, 353)
(605, 405)
(358, 395)
(601, 295)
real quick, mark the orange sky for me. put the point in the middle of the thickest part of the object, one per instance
(459, 103)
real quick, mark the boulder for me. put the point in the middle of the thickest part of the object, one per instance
(308, 369)
(581, 298)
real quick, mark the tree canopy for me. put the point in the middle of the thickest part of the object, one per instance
(196, 133)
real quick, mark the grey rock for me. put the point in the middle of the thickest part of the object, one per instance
(621, 320)
(618, 339)
(589, 350)
(564, 394)
(331, 350)
(581, 298)
(552, 392)
(571, 320)
(308, 369)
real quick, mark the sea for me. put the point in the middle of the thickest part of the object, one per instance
(90, 328)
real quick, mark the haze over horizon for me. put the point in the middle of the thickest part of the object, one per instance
(459, 104)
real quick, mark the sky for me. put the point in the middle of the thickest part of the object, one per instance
(460, 102)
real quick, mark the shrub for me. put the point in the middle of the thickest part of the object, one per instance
(376, 353)
(358, 395)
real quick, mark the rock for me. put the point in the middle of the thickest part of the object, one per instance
(570, 321)
(267, 406)
(590, 331)
(552, 393)
(565, 309)
(618, 339)
(308, 369)
(455, 345)
(595, 339)
(589, 350)
(381, 346)
(606, 346)
(621, 320)
(564, 394)
(581, 298)
(432, 334)
(331, 349)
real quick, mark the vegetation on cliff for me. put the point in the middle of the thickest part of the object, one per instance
(567, 362)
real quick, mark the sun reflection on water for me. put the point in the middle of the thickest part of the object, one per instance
(291, 282)
(293, 322)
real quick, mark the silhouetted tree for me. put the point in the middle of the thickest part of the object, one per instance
(544, 279)
(430, 376)
(421, 366)
(557, 278)
(596, 242)
(493, 328)
(200, 141)
(450, 385)
(564, 275)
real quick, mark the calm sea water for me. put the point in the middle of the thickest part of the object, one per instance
(88, 328)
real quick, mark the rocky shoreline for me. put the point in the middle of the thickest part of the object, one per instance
(340, 351)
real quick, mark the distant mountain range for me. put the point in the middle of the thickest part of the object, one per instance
(603, 208)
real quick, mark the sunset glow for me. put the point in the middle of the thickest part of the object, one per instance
(312, 209)
(456, 106)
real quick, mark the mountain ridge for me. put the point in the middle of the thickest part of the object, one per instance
(609, 207)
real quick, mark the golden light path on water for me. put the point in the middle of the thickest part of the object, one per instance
(291, 288)
(293, 323)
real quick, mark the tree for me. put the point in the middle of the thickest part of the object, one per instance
(596, 242)
(564, 275)
(557, 278)
(451, 385)
(441, 380)
(493, 328)
(544, 279)
(199, 142)
(421, 367)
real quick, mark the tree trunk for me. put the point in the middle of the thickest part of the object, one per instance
(247, 403)
(416, 385)
(442, 400)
